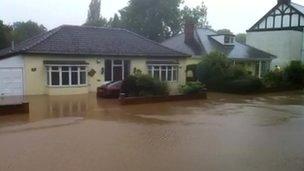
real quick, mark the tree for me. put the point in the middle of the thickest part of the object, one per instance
(24, 30)
(115, 22)
(5, 36)
(94, 18)
(197, 14)
(224, 31)
(241, 38)
(213, 68)
(154, 19)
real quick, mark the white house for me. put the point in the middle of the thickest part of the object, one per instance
(280, 32)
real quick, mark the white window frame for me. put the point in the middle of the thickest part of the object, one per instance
(49, 72)
(173, 69)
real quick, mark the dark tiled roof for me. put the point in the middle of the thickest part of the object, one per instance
(83, 40)
(235, 51)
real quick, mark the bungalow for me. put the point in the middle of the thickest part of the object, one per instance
(201, 41)
(78, 59)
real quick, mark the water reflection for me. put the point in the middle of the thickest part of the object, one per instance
(264, 109)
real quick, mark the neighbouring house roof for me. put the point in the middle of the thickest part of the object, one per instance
(299, 7)
(209, 44)
(85, 40)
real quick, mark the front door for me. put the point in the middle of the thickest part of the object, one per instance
(117, 73)
(116, 70)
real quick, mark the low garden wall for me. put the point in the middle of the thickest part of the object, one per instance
(158, 99)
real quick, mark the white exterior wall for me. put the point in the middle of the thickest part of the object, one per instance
(286, 45)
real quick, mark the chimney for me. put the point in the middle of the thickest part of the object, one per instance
(190, 37)
(284, 1)
(189, 31)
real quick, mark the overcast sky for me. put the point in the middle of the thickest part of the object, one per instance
(236, 15)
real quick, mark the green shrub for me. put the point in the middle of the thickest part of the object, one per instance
(192, 88)
(295, 73)
(143, 85)
(274, 79)
(236, 72)
(245, 85)
(213, 68)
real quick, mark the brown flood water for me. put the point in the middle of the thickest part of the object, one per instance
(225, 132)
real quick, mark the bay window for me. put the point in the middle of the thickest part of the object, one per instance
(66, 76)
(164, 72)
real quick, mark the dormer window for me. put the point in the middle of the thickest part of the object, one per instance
(224, 39)
(228, 39)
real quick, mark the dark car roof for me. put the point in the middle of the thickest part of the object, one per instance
(85, 40)
(235, 51)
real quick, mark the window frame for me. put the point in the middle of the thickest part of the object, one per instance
(122, 65)
(173, 69)
(60, 71)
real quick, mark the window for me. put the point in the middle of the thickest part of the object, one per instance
(66, 75)
(228, 39)
(163, 72)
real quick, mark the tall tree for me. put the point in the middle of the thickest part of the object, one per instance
(94, 18)
(25, 30)
(224, 31)
(154, 19)
(197, 14)
(114, 22)
(241, 38)
(5, 36)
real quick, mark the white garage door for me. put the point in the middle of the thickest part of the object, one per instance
(11, 82)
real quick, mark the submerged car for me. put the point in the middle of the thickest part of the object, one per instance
(110, 90)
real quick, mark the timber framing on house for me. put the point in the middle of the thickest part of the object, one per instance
(284, 16)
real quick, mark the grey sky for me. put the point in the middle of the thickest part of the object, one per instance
(236, 15)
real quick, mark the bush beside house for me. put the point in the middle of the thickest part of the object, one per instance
(219, 74)
(139, 85)
(192, 88)
(289, 78)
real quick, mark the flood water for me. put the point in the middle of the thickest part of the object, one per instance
(225, 132)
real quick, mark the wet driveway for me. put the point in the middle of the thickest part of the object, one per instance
(225, 132)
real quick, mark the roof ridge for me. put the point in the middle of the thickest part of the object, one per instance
(45, 37)
(200, 41)
(156, 43)
(95, 27)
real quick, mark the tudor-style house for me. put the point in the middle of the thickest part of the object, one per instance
(78, 59)
(280, 32)
(201, 41)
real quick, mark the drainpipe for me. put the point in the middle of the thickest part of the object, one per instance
(13, 45)
(302, 49)
(260, 69)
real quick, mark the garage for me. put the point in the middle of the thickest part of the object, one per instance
(11, 81)
(11, 77)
